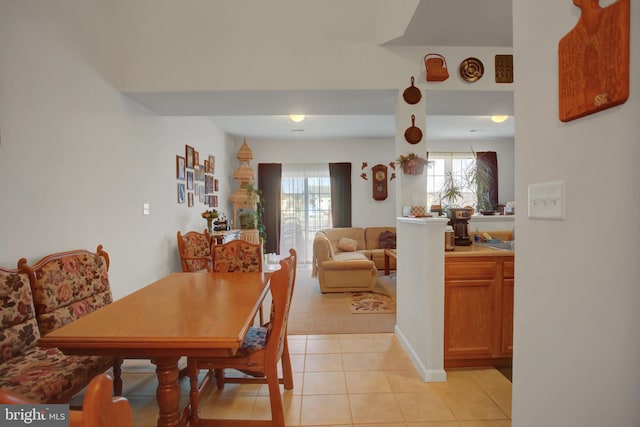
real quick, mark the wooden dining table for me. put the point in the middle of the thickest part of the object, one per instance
(182, 314)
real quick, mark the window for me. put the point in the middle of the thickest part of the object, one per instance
(305, 207)
(459, 166)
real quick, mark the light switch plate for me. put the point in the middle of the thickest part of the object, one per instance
(146, 209)
(547, 200)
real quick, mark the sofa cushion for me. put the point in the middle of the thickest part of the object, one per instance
(346, 244)
(69, 287)
(335, 234)
(48, 376)
(18, 330)
(387, 240)
(372, 235)
(349, 256)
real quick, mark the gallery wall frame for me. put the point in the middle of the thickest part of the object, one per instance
(181, 193)
(180, 164)
(198, 183)
(190, 156)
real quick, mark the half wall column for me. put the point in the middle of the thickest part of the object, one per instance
(420, 265)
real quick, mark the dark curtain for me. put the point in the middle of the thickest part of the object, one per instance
(340, 177)
(269, 182)
(490, 161)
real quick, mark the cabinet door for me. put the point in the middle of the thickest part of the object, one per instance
(469, 319)
(506, 344)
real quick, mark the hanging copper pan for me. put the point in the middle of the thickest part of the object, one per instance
(412, 94)
(413, 134)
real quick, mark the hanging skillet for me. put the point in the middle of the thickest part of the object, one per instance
(412, 94)
(413, 134)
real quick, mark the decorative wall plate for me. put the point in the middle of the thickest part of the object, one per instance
(471, 69)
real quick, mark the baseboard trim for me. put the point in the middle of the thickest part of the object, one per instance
(427, 375)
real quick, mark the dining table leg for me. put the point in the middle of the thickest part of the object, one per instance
(168, 392)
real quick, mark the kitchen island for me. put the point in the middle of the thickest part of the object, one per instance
(478, 306)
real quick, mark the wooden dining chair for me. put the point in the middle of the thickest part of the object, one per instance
(99, 408)
(194, 249)
(261, 351)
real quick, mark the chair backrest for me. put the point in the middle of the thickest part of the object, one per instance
(281, 284)
(237, 256)
(99, 408)
(194, 249)
(68, 285)
(18, 327)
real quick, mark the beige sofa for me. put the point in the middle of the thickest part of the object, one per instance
(347, 259)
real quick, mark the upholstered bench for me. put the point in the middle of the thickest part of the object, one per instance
(67, 286)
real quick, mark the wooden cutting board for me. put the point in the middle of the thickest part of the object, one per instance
(593, 60)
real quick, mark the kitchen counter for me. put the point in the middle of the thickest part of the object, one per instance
(477, 250)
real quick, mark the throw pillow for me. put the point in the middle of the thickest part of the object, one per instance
(347, 245)
(387, 240)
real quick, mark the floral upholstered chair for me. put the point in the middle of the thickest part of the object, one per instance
(237, 256)
(44, 375)
(195, 251)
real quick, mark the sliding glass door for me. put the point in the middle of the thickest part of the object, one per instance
(306, 207)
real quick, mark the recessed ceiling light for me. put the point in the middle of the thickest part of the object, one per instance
(499, 119)
(296, 117)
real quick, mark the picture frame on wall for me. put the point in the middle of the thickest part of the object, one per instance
(196, 157)
(215, 201)
(190, 156)
(181, 192)
(212, 164)
(215, 185)
(189, 180)
(208, 184)
(180, 163)
(206, 166)
(190, 199)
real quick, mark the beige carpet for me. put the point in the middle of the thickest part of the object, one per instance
(313, 312)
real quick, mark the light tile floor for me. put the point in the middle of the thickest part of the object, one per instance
(346, 380)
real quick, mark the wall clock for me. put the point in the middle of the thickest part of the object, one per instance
(379, 173)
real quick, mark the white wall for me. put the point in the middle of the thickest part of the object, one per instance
(576, 341)
(78, 159)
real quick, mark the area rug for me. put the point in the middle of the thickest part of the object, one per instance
(313, 312)
(371, 303)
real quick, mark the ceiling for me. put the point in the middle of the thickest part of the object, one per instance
(369, 113)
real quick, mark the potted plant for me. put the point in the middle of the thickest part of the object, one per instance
(451, 191)
(411, 164)
(210, 216)
(256, 218)
(478, 175)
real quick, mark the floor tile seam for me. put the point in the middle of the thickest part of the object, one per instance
(335, 394)
(482, 389)
(498, 405)
(344, 379)
(404, 417)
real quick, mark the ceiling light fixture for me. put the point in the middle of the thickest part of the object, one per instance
(499, 119)
(296, 117)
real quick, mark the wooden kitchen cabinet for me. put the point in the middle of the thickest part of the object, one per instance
(507, 308)
(478, 311)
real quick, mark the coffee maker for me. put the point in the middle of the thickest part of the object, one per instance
(459, 220)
